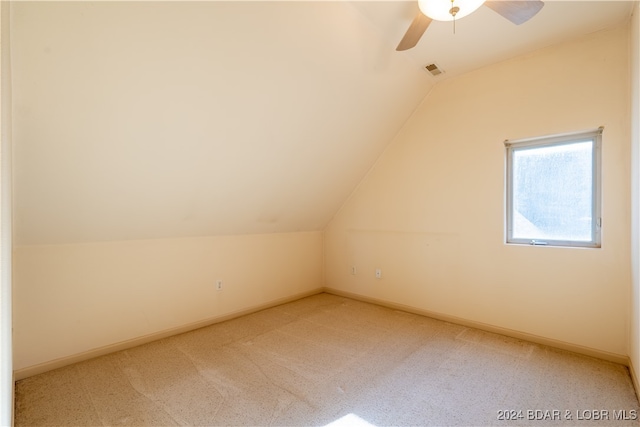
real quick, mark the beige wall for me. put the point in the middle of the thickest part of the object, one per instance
(634, 335)
(430, 214)
(69, 299)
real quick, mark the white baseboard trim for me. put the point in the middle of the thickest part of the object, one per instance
(575, 348)
(123, 345)
(29, 371)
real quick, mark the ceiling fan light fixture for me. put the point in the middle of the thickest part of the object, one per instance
(440, 10)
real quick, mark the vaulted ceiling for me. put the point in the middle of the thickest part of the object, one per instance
(485, 37)
(172, 119)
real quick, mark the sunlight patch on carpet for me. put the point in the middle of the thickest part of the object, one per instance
(350, 420)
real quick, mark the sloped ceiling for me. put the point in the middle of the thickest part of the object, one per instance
(137, 120)
(156, 120)
(484, 37)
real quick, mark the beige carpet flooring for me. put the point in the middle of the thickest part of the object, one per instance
(332, 360)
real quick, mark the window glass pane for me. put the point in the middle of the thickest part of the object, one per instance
(552, 192)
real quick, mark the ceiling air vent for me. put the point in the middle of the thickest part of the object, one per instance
(433, 69)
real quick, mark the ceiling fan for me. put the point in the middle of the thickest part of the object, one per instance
(516, 11)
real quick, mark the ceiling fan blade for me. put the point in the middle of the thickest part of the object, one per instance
(415, 31)
(517, 11)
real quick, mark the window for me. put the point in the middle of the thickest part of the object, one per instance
(553, 190)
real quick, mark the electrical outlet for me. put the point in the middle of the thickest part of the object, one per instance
(218, 285)
(378, 273)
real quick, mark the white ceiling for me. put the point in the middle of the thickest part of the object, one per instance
(170, 119)
(157, 120)
(484, 37)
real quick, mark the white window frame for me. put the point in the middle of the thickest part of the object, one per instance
(596, 208)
